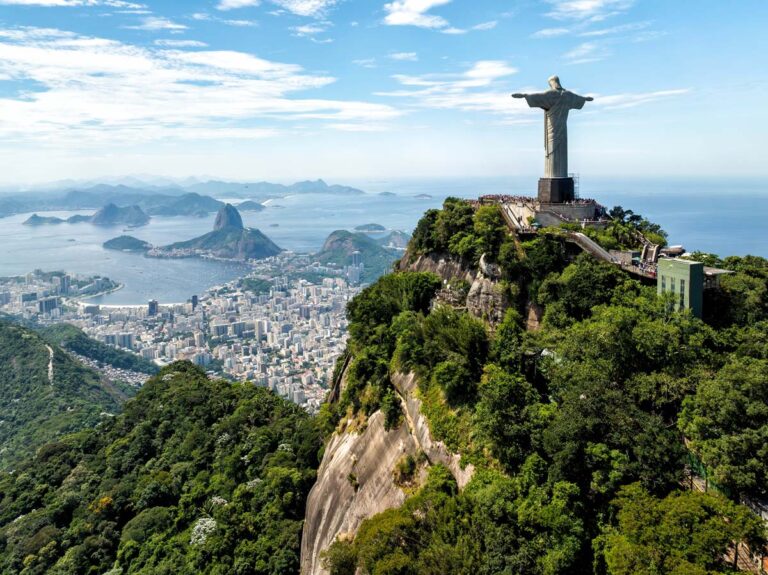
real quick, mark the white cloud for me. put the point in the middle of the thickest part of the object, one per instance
(315, 8)
(41, 2)
(404, 56)
(587, 52)
(94, 91)
(550, 33)
(593, 10)
(233, 4)
(205, 17)
(630, 100)
(365, 62)
(180, 43)
(156, 23)
(414, 13)
(74, 3)
(475, 89)
(486, 25)
(309, 29)
(633, 27)
(490, 70)
(240, 23)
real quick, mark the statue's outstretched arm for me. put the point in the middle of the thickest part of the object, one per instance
(518, 95)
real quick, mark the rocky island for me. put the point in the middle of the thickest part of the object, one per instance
(112, 215)
(251, 206)
(109, 215)
(127, 244)
(229, 240)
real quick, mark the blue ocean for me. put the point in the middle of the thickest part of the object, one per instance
(726, 217)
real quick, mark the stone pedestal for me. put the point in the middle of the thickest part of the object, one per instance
(556, 190)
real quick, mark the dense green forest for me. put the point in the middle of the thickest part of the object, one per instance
(196, 476)
(73, 338)
(39, 403)
(580, 432)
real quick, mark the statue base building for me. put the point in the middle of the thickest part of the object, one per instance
(556, 190)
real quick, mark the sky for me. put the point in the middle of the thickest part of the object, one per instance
(284, 90)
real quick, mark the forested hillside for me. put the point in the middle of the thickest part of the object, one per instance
(579, 432)
(73, 338)
(196, 476)
(45, 393)
(563, 401)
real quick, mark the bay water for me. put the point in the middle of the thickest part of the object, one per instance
(725, 217)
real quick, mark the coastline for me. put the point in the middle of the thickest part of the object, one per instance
(118, 287)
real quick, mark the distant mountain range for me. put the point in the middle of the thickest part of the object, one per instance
(189, 199)
(109, 215)
(267, 190)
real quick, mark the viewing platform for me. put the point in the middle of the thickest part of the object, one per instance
(525, 215)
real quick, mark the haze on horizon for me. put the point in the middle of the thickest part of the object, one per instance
(286, 90)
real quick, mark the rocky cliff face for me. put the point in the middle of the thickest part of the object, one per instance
(485, 298)
(228, 217)
(446, 266)
(355, 480)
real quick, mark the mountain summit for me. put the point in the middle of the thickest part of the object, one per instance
(228, 217)
(112, 215)
(228, 240)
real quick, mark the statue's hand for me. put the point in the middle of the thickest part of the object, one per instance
(589, 99)
(518, 95)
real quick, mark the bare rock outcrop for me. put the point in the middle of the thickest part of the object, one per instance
(354, 482)
(355, 479)
(486, 301)
(435, 451)
(446, 266)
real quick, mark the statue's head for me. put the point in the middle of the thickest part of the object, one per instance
(554, 83)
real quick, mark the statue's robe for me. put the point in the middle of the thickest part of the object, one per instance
(556, 104)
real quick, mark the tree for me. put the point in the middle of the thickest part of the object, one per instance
(726, 422)
(490, 229)
(506, 415)
(683, 533)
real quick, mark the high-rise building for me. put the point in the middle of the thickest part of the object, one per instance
(195, 301)
(125, 340)
(219, 329)
(5, 298)
(65, 284)
(28, 297)
(238, 328)
(152, 308)
(357, 258)
(47, 305)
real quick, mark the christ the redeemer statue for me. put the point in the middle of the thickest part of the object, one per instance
(556, 103)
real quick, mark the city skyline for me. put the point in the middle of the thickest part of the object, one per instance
(292, 89)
